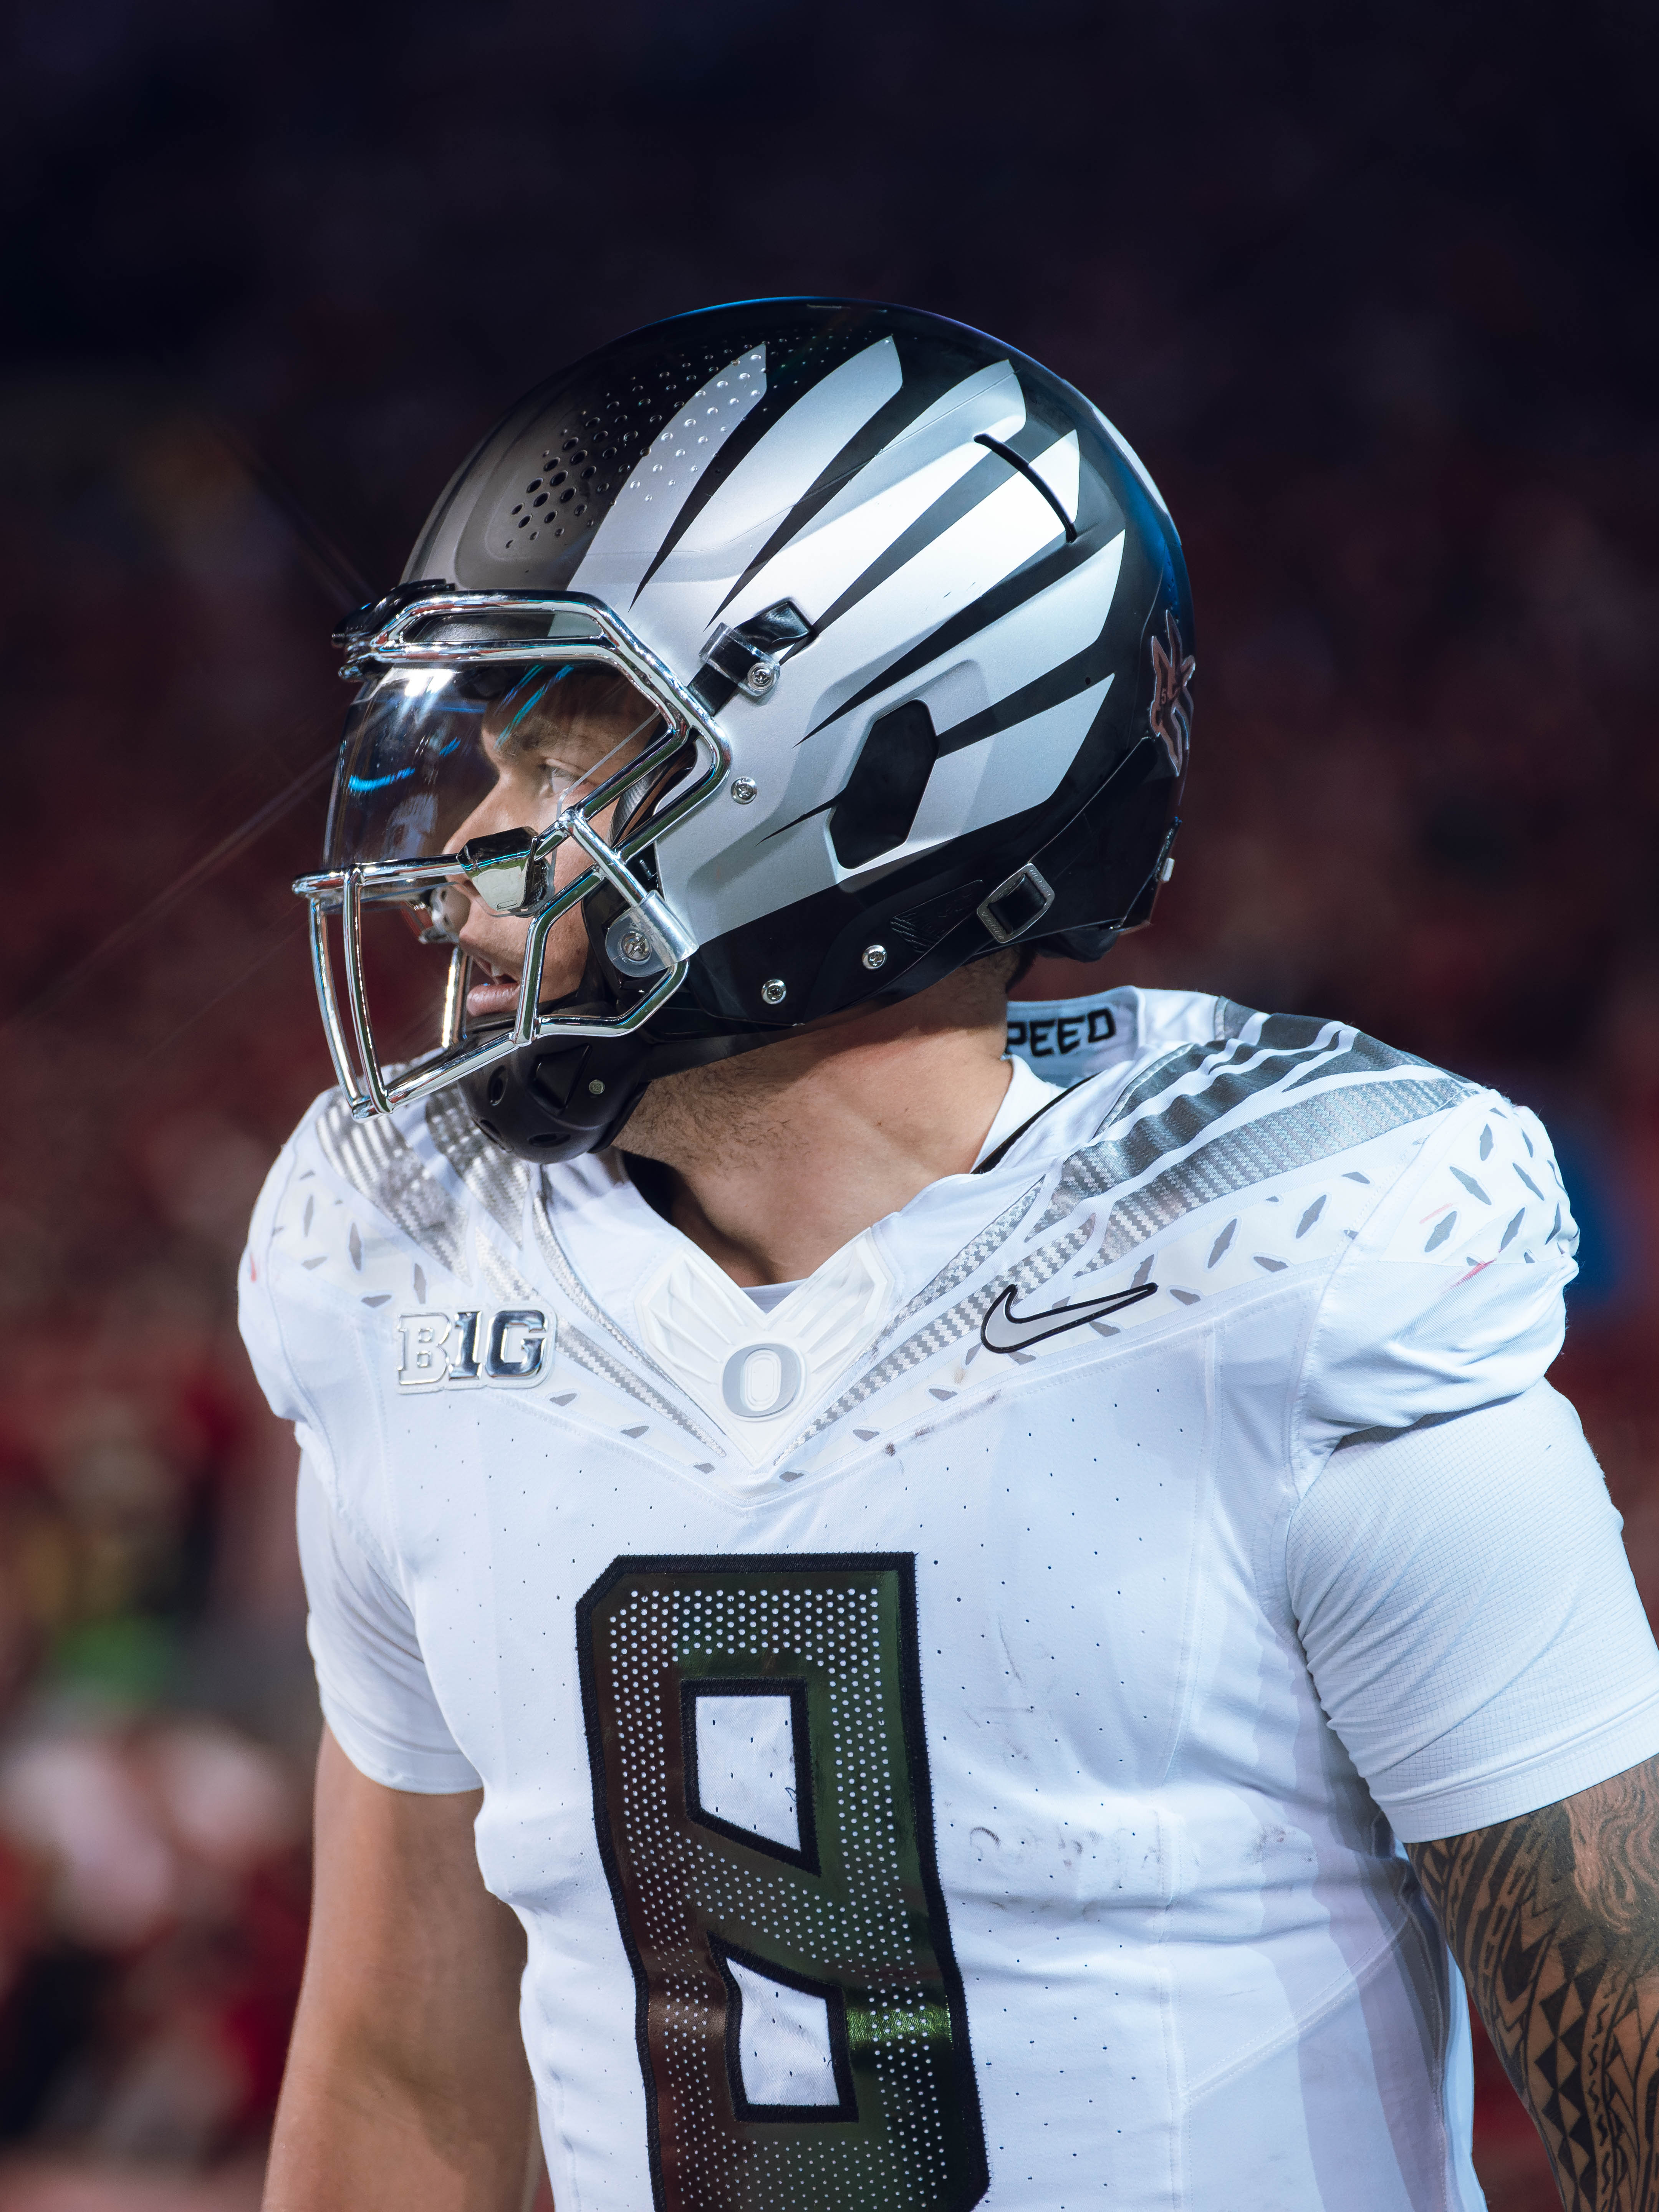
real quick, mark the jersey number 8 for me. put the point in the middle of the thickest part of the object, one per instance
(760, 1789)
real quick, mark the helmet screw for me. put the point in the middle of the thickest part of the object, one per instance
(597, 1088)
(760, 676)
(775, 992)
(635, 945)
(874, 955)
(745, 790)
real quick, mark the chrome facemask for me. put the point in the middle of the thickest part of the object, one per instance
(411, 771)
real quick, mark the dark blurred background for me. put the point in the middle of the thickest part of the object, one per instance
(1372, 291)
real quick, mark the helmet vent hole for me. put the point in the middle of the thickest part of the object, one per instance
(597, 441)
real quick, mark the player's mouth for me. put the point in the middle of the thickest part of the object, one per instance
(485, 1001)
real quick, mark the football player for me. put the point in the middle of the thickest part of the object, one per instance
(909, 1633)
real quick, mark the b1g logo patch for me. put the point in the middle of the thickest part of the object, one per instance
(511, 1349)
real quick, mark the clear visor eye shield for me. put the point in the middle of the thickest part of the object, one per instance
(472, 706)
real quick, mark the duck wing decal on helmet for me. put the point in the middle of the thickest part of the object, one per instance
(794, 432)
(687, 456)
(916, 425)
(900, 591)
(897, 506)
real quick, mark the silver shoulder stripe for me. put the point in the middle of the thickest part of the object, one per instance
(500, 1276)
(1271, 1144)
(1312, 1129)
(969, 1261)
(1263, 1059)
(499, 1183)
(570, 1283)
(589, 1354)
(1243, 1072)
(1364, 1056)
(374, 1158)
(960, 1320)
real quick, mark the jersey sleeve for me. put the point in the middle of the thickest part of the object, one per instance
(301, 1303)
(1469, 1616)
(1449, 1297)
(371, 1680)
(302, 1319)
(259, 1316)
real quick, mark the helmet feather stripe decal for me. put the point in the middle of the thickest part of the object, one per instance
(789, 389)
(990, 476)
(677, 461)
(1090, 668)
(1029, 582)
(986, 478)
(929, 396)
(1063, 681)
(994, 535)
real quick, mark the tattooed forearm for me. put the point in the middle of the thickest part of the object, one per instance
(1554, 1919)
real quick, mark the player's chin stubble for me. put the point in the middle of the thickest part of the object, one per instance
(750, 1104)
(728, 1109)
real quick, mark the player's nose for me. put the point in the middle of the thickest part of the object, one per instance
(499, 809)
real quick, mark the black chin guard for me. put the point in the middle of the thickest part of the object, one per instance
(556, 1101)
(553, 1102)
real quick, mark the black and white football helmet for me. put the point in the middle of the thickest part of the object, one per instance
(912, 636)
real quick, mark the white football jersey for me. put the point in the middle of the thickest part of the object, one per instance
(949, 1737)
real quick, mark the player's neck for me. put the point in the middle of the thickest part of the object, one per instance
(780, 1156)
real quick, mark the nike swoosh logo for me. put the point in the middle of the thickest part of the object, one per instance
(1004, 1330)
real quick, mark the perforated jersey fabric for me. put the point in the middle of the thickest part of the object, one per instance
(1094, 1682)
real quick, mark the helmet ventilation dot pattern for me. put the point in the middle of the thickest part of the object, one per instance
(594, 454)
(573, 473)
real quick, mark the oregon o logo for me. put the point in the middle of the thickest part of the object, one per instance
(762, 1380)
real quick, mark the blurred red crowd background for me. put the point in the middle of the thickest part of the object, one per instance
(1367, 295)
